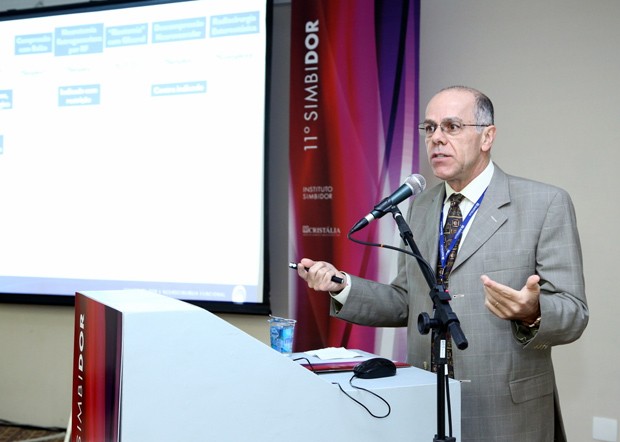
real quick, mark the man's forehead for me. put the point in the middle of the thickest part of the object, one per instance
(452, 103)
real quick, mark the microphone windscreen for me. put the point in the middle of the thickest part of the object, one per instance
(416, 182)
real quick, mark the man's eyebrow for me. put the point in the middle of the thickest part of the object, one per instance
(447, 119)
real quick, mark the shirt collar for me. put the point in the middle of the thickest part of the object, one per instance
(476, 188)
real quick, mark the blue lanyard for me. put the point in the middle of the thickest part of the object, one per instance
(443, 253)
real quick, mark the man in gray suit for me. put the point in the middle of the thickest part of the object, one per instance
(517, 282)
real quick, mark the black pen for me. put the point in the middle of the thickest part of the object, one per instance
(335, 279)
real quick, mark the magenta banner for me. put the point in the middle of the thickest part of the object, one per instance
(353, 140)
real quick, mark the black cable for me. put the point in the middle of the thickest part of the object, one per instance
(307, 360)
(422, 262)
(6, 423)
(383, 246)
(368, 391)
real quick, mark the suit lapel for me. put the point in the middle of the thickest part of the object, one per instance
(489, 218)
(428, 244)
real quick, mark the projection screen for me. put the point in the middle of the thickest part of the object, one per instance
(132, 151)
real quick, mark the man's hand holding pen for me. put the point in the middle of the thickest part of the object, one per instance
(320, 275)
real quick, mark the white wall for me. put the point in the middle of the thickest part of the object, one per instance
(551, 70)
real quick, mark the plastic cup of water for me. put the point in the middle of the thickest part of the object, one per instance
(282, 334)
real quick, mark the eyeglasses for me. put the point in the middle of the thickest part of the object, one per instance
(448, 127)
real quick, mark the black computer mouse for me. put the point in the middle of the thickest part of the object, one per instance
(375, 368)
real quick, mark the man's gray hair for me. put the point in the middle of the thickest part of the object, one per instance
(483, 112)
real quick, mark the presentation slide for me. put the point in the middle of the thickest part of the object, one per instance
(132, 149)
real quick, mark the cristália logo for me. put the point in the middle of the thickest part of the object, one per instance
(320, 230)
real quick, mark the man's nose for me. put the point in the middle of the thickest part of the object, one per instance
(438, 136)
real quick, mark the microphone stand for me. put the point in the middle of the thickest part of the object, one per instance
(444, 319)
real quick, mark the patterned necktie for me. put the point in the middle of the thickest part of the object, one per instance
(453, 222)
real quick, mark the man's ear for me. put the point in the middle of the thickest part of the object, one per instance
(488, 137)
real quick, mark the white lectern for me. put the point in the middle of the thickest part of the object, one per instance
(151, 368)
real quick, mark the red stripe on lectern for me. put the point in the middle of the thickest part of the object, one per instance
(96, 371)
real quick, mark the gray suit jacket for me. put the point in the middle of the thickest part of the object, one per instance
(522, 228)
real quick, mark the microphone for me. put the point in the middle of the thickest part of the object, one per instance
(413, 185)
